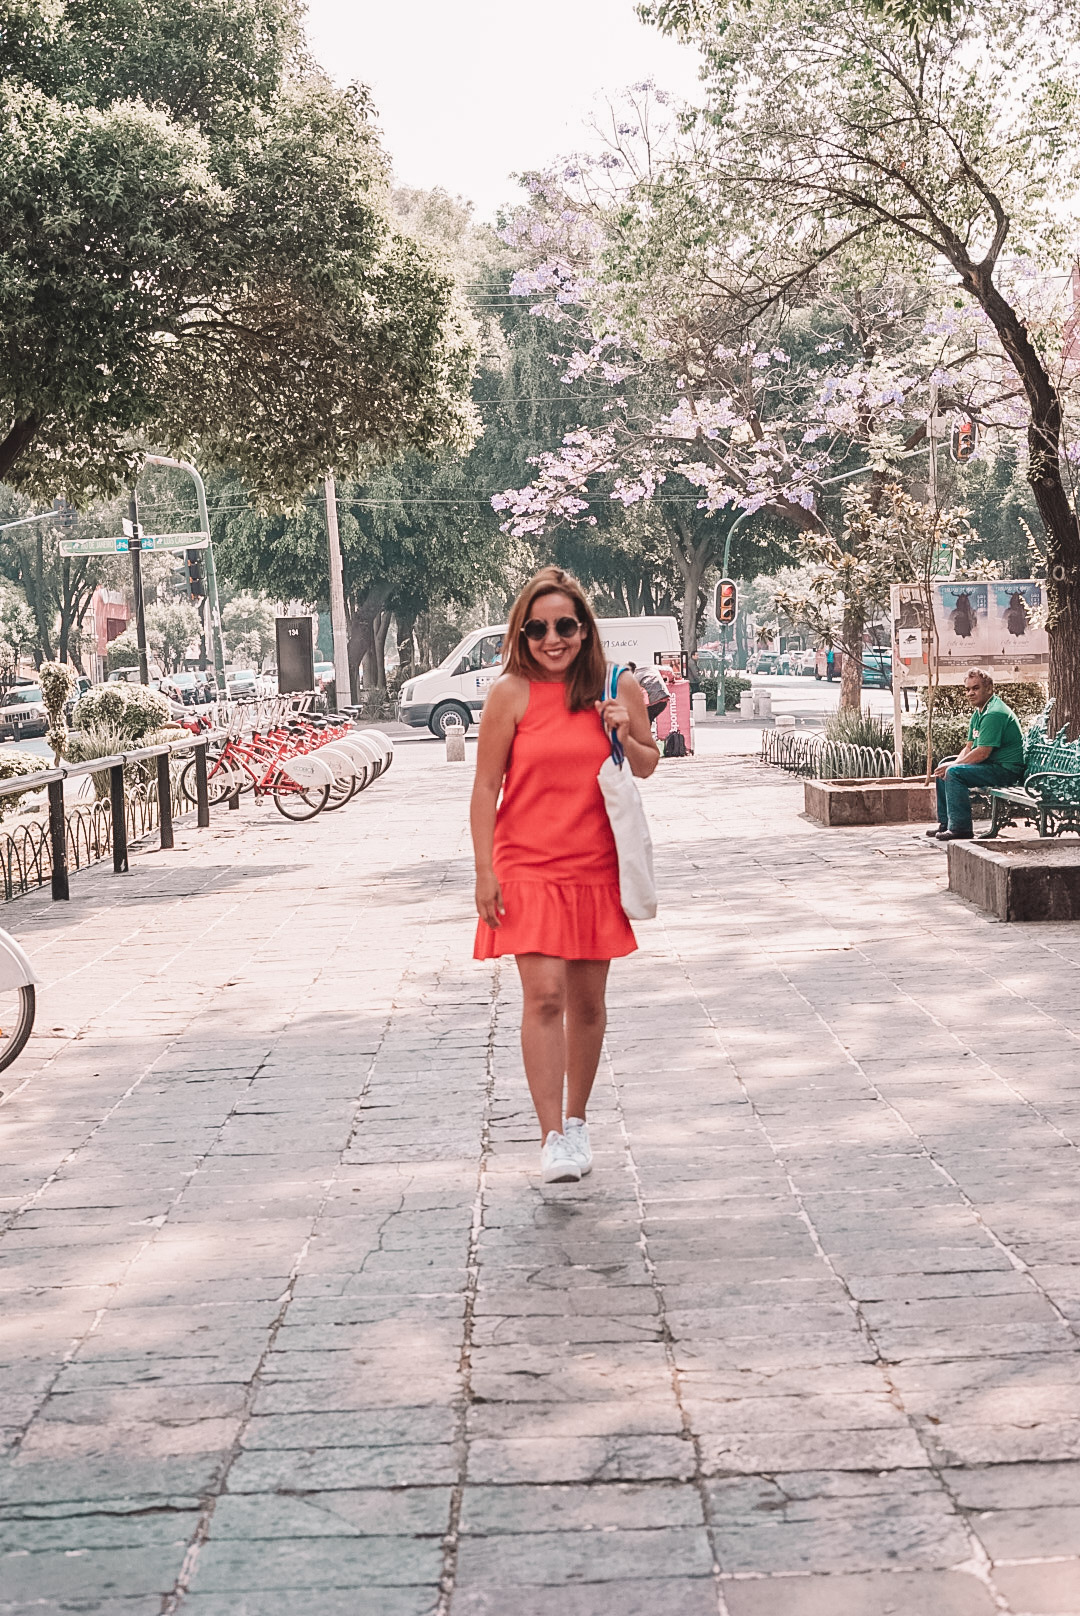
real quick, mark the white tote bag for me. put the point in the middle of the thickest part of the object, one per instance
(637, 885)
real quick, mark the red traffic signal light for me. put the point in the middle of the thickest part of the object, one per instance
(727, 601)
(964, 439)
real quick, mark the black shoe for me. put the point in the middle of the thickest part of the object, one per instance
(938, 830)
(956, 836)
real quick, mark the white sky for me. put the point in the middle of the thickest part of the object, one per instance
(470, 91)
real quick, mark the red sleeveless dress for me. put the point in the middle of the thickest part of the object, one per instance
(555, 855)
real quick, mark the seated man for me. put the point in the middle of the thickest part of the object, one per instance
(993, 756)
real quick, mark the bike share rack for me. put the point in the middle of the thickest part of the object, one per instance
(358, 753)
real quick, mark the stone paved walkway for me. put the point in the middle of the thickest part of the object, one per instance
(289, 1325)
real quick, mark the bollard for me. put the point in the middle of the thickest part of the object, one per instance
(119, 819)
(455, 743)
(58, 839)
(785, 720)
(164, 799)
(746, 704)
(762, 704)
(697, 704)
(202, 792)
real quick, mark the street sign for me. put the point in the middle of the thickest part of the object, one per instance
(87, 547)
(150, 541)
(175, 541)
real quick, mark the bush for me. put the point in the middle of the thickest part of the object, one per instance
(859, 727)
(133, 711)
(57, 681)
(12, 766)
(105, 739)
(734, 685)
(1027, 698)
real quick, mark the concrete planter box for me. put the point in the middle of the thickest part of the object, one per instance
(1021, 880)
(870, 802)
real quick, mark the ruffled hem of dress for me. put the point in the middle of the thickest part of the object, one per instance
(562, 921)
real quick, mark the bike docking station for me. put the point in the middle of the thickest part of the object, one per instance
(274, 747)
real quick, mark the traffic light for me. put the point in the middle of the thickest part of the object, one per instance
(964, 439)
(194, 575)
(66, 514)
(727, 601)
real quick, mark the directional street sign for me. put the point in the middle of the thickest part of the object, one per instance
(121, 546)
(175, 541)
(85, 547)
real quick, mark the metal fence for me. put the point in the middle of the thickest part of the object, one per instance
(38, 852)
(817, 758)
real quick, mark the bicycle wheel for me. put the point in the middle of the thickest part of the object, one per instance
(221, 780)
(299, 802)
(16, 1021)
(342, 791)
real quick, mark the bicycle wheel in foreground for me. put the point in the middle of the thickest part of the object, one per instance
(16, 1021)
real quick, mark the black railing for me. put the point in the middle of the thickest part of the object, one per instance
(70, 838)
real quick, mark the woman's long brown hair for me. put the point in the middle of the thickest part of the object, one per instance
(585, 680)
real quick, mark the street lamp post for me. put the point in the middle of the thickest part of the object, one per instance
(135, 551)
(211, 569)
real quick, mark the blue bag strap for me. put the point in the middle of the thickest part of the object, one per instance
(611, 688)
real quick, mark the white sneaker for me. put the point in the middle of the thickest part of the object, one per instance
(557, 1164)
(576, 1135)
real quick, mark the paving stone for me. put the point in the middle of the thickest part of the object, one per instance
(920, 1593)
(249, 1275)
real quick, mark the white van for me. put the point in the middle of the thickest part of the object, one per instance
(455, 691)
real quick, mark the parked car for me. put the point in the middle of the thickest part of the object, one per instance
(877, 667)
(241, 685)
(324, 675)
(23, 713)
(764, 662)
(82, 685)
(182, 688)
(130, 676)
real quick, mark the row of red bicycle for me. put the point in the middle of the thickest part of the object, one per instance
(304, 761)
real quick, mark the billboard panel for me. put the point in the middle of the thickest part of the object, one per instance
(996, 625)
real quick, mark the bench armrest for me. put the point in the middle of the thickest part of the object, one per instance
(1048, 782)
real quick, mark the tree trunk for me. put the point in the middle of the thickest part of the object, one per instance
(1051, 497)
(406, 640)
(17, 440)
(382, 628)
(851, 667)
(359, 642)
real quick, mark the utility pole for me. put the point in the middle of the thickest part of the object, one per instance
(135, 551)
(338, 623)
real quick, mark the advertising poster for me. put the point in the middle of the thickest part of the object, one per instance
(960, 616)
(996, 625)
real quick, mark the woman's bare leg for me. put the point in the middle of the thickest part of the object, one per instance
(543, 1036)
(586, 1019)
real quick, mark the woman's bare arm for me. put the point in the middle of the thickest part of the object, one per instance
(504, 707)
(628, 716)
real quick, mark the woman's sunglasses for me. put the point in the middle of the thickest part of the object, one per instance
(565, 628)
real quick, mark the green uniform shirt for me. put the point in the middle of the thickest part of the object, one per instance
(998, 727)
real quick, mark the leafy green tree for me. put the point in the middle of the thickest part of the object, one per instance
(248, 625)
(171, 627)
(217, 271)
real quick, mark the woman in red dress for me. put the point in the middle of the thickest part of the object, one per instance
(547, 875)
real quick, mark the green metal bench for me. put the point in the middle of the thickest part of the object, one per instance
(1048, 797)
